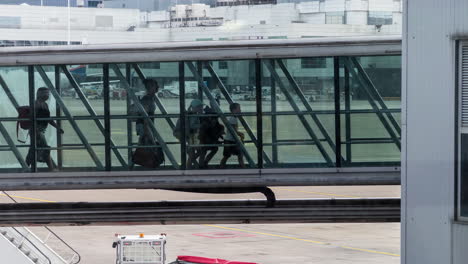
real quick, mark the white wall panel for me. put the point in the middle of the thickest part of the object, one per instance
(283, 13)
(397, 6)
(309, 7)
(333, 6)
(318, 18)
(81, 18)
(381, 5)
(356, 18)
(158, 16)
(397, 18)
(357, 5)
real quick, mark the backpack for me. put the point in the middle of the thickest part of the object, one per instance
(177, 132)
(24, 112)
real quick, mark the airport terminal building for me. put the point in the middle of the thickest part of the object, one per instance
(33, 25)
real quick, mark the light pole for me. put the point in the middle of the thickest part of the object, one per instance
(69, 23)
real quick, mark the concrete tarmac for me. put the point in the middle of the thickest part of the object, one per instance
(333, 243)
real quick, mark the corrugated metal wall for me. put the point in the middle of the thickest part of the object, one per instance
(460, 237)
(429, 142)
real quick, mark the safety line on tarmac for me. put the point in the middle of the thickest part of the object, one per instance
(28, 198)
(318, 193)
(371, 251)
(268, 234)
(306, 240)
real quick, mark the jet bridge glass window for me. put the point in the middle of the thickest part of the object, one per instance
(221, 114)
(370, 106)
(14, 145)
(105, 117)
(299, 112)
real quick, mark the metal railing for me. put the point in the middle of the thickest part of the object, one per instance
(75, 254)
(26, 245)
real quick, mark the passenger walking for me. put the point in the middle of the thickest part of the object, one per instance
(148, 102)
(231, 147)
(42, 111)
(149, 157)
(210, 133)
(193, 129)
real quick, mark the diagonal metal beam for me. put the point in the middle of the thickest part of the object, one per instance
(380, 115)
(300, 115)
(141, 109)
(8, 93)
(373, 92)
(128, 73)
(160, 105)
(228, 97)
(349, 155)
(3, 130)
(91, 112)
(70, 117)
(13, 147)
(205, 88)
(274, 117)
(302, 97)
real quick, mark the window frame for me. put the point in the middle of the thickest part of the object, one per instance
(460, 44)
(379, 15)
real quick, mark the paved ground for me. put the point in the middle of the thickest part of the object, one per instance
(266, 244)
(159, 195)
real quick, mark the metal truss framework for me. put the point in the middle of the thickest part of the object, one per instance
(288, 87)
(270, 55)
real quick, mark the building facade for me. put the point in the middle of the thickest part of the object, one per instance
(73, 3)
(34, 25)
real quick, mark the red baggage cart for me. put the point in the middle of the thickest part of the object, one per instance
(202, 260)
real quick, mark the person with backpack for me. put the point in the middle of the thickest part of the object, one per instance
(148, 157)
(193, 128)
(231, 148)
(148, 102)
(210, 133)
(42, 111)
